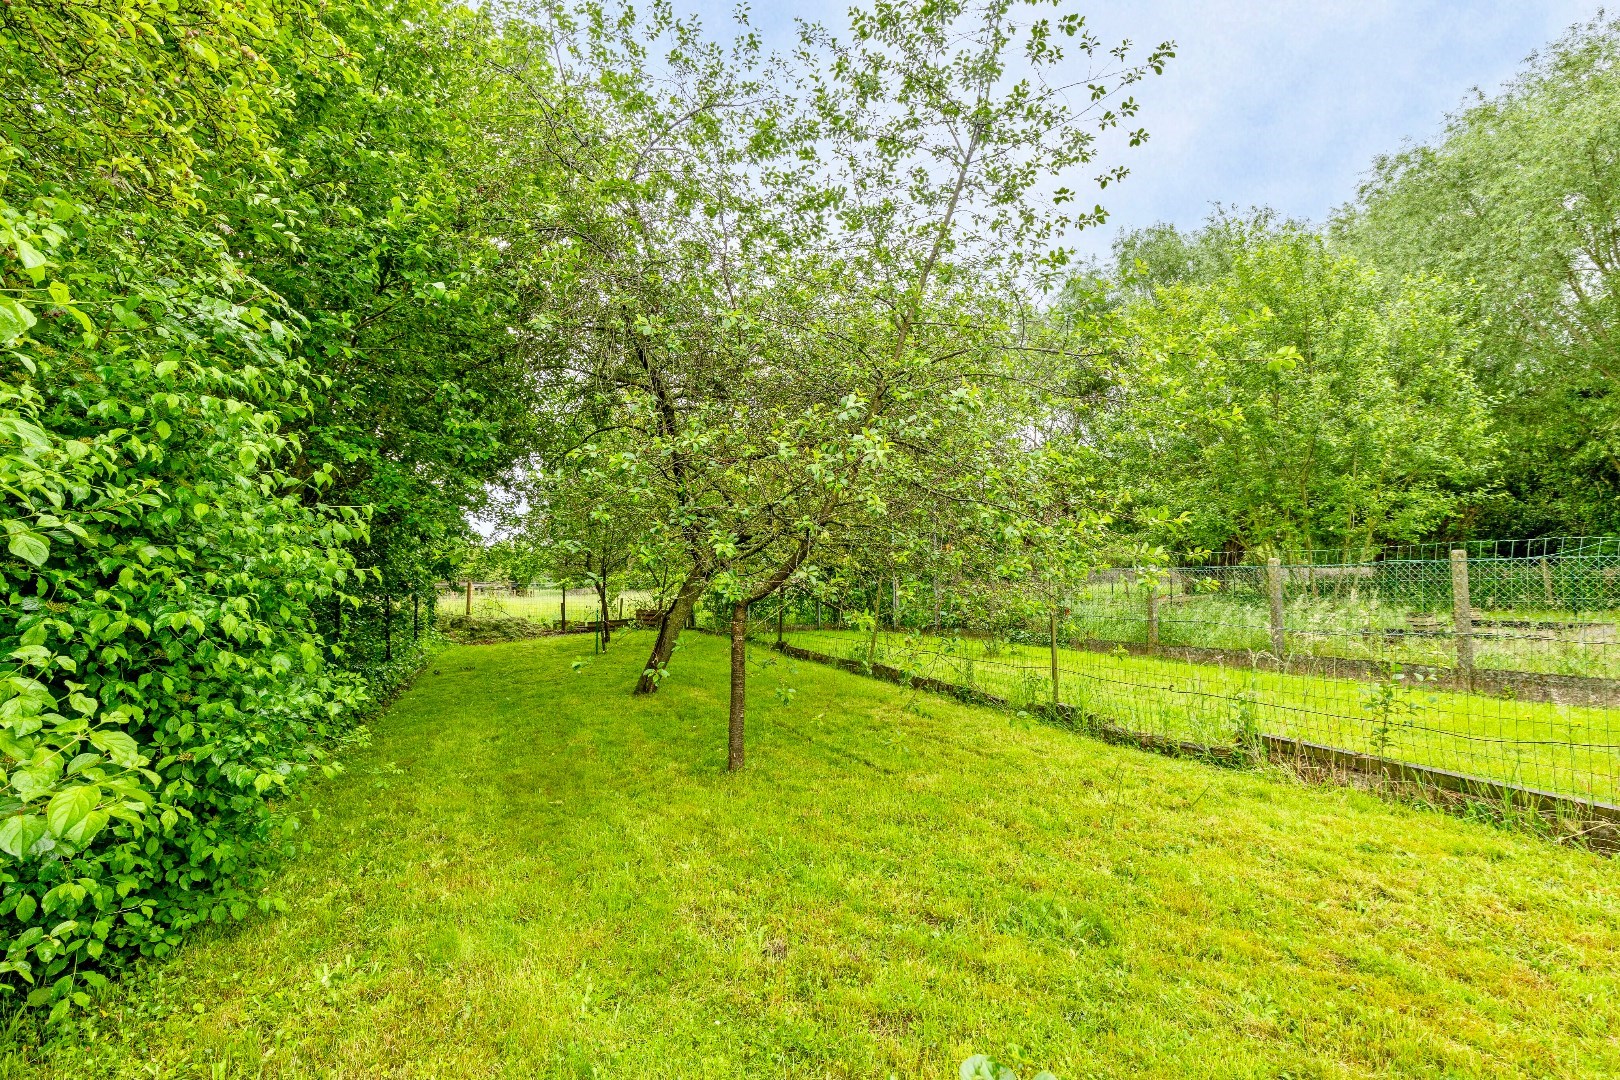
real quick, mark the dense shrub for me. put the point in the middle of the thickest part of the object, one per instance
(164, 682)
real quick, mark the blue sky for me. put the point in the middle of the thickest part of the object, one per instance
(1277, 102)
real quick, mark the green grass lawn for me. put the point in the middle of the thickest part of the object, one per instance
(531, 874)
(1569, 749)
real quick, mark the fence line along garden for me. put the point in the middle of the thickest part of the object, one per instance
(1491, 668)
(545, 603)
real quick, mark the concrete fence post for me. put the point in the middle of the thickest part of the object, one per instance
(1274, 590)
(1153, 615)
(1462, 614)
(1056, 699)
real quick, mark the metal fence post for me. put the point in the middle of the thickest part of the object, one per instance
(1462, 614)
(1274, 589)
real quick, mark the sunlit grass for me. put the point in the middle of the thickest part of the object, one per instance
(531, 873)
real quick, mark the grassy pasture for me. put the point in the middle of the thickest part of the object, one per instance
(1564, 748)
(530, 873)
(1549, 641)
(543, 605)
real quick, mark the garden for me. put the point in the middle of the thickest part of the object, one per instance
(552, 537)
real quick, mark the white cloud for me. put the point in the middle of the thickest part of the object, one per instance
(1277, 102)
(1285, 104)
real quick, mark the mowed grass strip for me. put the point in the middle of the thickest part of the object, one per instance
(530, 873)
(1568, 749)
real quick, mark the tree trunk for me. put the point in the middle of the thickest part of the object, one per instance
(739, 685)
(669, 631)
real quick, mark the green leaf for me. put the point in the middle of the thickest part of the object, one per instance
(69, 807)
(86, 828)
(30, 255)
(117, 745)
(84, 320)
(18, 834)
(27, 905)
(15, 320)
(30, 547)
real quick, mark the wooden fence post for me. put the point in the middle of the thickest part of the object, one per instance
(564, 608)
(469, 598)
(1462, 615)
(416, 615)
(1153, 615)
(1274, 589)
(1546, 580)
(781, 611)
(388, 629)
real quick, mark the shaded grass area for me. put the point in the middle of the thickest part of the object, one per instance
(1568, 749)
(530, 873)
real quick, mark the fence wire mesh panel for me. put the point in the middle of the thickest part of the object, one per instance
(1495, 660)
(546, 604)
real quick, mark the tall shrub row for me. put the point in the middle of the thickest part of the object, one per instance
(175, 562)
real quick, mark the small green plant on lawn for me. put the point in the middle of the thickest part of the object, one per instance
(983, 1067)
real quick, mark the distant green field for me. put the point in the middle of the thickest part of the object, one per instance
(544, 605)
(531, 873)
(1567, 749)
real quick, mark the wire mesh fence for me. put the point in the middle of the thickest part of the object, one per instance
(547, 604)
(1498, 661)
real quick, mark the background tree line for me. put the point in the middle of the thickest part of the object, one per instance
(1436, 362)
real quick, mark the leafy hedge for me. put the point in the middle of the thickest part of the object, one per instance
(163, 679)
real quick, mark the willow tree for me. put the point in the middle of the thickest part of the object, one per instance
(1519, 195)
